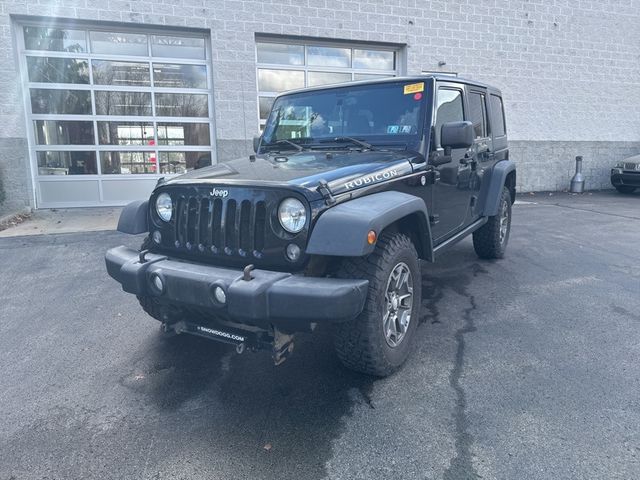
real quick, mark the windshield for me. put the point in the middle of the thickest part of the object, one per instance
(389, 114)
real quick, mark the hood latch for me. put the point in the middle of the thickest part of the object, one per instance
(323, 188)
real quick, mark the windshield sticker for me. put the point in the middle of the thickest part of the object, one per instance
(393, 128)
(405, 129)
(414, 88)
(376, 177)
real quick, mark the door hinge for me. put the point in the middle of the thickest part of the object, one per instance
(432, 176)
(474, 200)
(433, 219)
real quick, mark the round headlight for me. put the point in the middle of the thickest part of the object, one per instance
(292, 215)
(164, 206)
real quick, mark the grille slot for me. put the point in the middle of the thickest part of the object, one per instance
(220, 225)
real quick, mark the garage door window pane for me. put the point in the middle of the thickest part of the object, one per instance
(76, 102)
(181, 105)
(328, 56)
(57, 70)
(128, 162)
(54, 39)
(177, 47)
(118, 43)
(123, 103)
(53, 132)
(180, 162)
(183, 134)
(179, 76)
(67, 163)
(280, 53)
(125, 133)
(369, 76)
(373, 59)
(120, 73)
(265, 106)
(326, 78)
(279, 80)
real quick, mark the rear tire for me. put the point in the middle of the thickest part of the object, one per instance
(380, 339)
(625, 188)
(490, 240)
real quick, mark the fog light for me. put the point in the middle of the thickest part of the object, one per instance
(293, 252)
(157, 237)
(157, 282)
(219, 295)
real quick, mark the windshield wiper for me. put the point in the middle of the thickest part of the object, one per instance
(355, 141)
(283, 141)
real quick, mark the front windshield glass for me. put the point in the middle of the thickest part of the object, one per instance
(386, 114)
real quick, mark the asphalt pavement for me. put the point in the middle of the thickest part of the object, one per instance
(525, 368)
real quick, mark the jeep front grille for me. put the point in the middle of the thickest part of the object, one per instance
(220, 225)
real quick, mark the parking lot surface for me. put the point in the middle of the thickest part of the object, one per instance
(527, 367)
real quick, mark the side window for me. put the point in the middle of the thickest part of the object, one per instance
(478, 114)
(448, 109)
(497, 116)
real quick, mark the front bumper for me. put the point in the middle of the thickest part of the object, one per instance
(620, 177)
(268, 298)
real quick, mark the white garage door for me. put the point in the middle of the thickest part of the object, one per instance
(109, 112)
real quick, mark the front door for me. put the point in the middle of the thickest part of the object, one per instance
(452, 188)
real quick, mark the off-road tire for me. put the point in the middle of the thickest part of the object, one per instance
(487, 241)
(625, 188)
(360, 344)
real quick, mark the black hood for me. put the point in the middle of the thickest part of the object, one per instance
(343, 170)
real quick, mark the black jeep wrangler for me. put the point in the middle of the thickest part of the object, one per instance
(350, 187)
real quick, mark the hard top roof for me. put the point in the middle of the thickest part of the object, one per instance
(442, 77)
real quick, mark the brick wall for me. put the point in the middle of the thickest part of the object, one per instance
(569, 69)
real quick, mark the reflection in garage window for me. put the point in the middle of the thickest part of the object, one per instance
(123, 103)
(67, 163)
(57, 70)
(287, 64)
(76, 102)
(126, 133)
(120, 73)
(183, 134)
(128, 162)
(53, 132)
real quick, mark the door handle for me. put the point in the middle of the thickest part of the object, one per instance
(468, 160)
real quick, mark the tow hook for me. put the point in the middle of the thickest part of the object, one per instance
(282, 346)
(246, 273)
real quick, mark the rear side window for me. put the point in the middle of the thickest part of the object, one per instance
(478, 114)
(448, 109)
(497, 116)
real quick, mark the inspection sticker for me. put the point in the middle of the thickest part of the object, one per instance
(414, 88)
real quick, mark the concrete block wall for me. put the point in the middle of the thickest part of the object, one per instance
(569, 69)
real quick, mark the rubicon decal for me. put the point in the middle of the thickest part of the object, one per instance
(218, 192)
(369, 179)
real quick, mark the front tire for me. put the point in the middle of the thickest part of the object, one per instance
(625, 188)
(490, 240)
(380, 339)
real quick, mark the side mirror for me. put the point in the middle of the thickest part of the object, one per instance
(457, 135)
(256, 144)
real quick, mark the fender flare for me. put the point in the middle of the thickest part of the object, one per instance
(494, 190)
(342, 230)
(134, 218)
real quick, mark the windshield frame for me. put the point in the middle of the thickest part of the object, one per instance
(414, 142)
